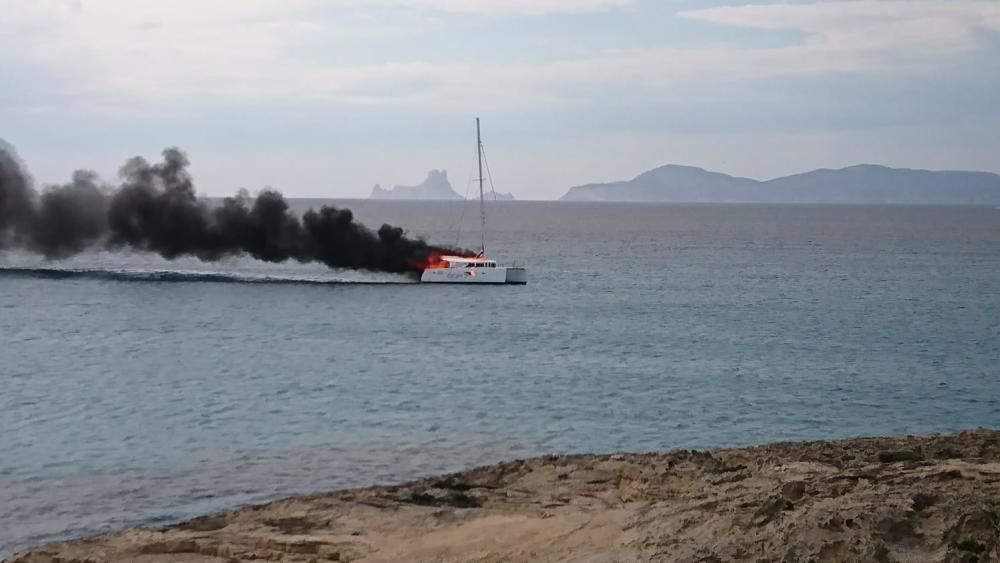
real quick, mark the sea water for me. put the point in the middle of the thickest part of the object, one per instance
(135, 390)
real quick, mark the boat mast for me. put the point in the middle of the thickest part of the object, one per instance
(482, 199)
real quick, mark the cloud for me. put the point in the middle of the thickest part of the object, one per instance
(213, 9)
(121, 50)
(109, 56)
(825, 16)
(507, 7)
(864, 35)
(117, 54)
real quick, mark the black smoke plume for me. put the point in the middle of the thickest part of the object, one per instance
(156, 209)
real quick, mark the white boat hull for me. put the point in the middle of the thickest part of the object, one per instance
(496, 276)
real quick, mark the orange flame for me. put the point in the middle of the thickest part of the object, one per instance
(435, 259)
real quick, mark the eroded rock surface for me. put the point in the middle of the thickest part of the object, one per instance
(931, 498)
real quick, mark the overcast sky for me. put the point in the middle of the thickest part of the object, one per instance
(324, 98)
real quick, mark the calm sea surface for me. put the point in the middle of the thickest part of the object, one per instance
(143, 397)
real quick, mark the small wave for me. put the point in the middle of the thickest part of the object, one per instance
(170, 276)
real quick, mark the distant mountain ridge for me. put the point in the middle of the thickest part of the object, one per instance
(864, 183)
(435, 187)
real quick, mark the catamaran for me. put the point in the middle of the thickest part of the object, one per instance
(479, 268)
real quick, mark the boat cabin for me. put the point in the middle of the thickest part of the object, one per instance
(466, 263)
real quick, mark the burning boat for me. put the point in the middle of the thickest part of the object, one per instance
(478, 268)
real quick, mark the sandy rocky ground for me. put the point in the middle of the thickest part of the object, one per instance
(925, 498)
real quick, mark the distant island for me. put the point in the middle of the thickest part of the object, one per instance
(435, 187)
(862, 184)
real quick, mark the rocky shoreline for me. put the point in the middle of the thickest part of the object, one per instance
(913, 498)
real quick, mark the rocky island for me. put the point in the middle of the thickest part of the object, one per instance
(914, 498)
(435, 187)
(866, 184)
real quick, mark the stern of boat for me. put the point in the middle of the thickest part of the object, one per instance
(517, 276)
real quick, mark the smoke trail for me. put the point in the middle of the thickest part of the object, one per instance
(17, 210)
(156, 209)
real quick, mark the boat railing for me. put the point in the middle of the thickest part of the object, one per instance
(463, 265)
